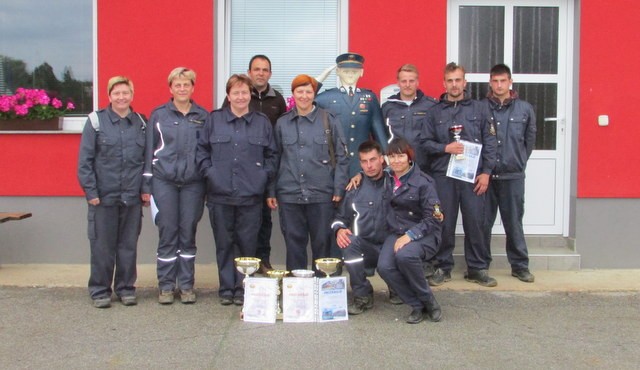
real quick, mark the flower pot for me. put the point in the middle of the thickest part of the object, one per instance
(17, 124)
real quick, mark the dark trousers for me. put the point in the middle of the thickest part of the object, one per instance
(113, 237)
(180, 208)
(299, 222)
(508, 196)
(403, 270)
(263, 251)
(454, 195)
(357, 256)
(235, 231)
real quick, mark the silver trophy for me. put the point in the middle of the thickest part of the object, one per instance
(456, 130)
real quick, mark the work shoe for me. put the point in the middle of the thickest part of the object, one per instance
(102, 302)
(394, 298)
(238, 301)
(523, 275)
(439, 277)
(187, 296)
(415, 316)
(481, 277)
(429, 269)
(129, 300)
(432, 309)
(264, 268)
(165, 297)
(360, 304)
(226, 301)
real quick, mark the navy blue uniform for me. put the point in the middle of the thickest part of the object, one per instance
(237, 155)
(477, 128)
(407, 121)
(110, 166)
(178, 190)
(516, 133)
(360, 116)
(306, 182)
(363, 210)
(412, 211)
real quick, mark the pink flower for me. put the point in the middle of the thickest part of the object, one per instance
(21, 110)
(291, 103)
(56, 103)
(70, 106)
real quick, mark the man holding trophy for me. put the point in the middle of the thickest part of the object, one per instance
(457, 114)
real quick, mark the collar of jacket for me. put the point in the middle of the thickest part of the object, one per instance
(395, 98)
(311, 116)
(230, 117)
(465, 100)
(513, 95)
(269, 92)
(172, 106)
(115, 117)
(344, 89)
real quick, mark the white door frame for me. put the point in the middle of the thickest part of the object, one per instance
(564, 80)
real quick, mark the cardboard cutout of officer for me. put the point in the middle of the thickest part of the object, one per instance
(357, 109)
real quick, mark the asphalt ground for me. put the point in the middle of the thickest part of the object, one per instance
(57, 328)
(50, 323)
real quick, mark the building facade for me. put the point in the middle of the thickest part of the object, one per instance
(581, 181)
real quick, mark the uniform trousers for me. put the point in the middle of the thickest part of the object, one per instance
(508, 196)
(180, 208)
(263, 250)
(455, 194)
(299, 222)
(403, 270)
(113, 238)
(358, 255)
(235, 231)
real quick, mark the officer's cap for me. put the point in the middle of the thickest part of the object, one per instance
(350, 60)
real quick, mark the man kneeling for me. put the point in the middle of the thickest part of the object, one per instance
(360, 225)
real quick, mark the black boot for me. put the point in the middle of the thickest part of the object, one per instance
(432, 308)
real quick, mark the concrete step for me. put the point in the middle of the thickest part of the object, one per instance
(546, 252)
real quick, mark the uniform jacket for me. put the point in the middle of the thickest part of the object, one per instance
(477, 125)
(111, 159)
(515, 123)
(305, 173)
(360, 117)
(407, 121)
(412, 206)
(172, 139)
(364, 210)
(237, 156)
(270, 103)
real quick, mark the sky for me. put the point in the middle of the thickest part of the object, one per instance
(58, 32)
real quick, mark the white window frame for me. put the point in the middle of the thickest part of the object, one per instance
(222, 43)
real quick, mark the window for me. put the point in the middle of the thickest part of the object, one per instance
(48, 45)
(297, 36)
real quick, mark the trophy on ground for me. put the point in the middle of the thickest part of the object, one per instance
(456, 130)
(247, 266)
(328, 265)
(278, 274)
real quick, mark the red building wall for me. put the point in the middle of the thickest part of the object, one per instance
(145, 39)
(609, 55)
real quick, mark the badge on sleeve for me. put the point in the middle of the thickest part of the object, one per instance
(437, 213)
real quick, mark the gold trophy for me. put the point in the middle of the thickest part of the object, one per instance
(247, 266)
(278, 274)
(328, 265)
(456, 130)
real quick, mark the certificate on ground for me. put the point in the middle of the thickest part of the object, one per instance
(465, 167)
(332, 299)
(298, 299)
(260, 300)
